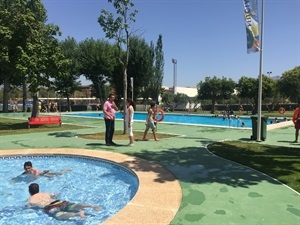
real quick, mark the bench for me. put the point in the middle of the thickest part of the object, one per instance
(44, 120)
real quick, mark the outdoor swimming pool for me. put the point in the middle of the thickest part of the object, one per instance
(89, 180)
(185, 119)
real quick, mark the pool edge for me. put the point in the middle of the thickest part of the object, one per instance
(157, 199)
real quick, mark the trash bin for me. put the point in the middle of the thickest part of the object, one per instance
(263, 131)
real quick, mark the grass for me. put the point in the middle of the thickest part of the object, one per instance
(118, 135)
(281, 163)
(16, 126)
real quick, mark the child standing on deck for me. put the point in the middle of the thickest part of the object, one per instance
(150, 123)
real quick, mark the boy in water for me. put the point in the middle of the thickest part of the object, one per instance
(56, 208)
(33, 171)
(30, 170)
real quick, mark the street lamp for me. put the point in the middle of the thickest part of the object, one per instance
(174, 61)
(269, 73)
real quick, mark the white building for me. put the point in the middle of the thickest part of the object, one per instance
(189, 91)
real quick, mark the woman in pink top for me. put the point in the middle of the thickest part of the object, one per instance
(109, 109)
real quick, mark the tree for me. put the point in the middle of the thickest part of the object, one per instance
(158, 71)
(140, 66)
(65, 82)
(97, 63)
(119, 30)
(248, 88)
(29, 47)
(289, 84)
(215, 89)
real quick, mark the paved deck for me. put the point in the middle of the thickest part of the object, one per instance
(214, 190)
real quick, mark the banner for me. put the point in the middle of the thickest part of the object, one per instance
(252, 28)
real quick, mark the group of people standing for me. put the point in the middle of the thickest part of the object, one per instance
(109, 110)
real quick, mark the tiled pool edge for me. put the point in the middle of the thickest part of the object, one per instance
(154, 203)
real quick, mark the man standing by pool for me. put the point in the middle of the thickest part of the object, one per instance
(296, 121)
(109, 110)
(56, 208)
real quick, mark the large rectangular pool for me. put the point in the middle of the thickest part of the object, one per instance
(190, 119)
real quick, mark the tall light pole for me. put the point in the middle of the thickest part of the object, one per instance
(174, 61)
(269, 73)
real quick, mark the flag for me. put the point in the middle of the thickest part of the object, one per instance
(252, 28)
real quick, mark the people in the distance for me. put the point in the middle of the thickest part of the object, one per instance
(53, 207)
(296, 121)
(129, 113)
(150, 122)
(109, 110)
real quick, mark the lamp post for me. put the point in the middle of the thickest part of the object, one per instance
(174, 61)
(269, 73)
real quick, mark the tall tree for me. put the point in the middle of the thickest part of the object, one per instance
(247, 87)
(289, 84)
(215, 89)
(65, 82)
(29, 49)
(97, 63)
(140, 66)
(120, 30)
(158, 71)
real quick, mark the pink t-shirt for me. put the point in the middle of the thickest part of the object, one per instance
(109, 109)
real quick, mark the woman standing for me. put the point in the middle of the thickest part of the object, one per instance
(130, 106)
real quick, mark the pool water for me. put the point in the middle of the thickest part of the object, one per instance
(186, 119)
(87, 180)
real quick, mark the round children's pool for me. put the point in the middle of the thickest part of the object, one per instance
(85, 180)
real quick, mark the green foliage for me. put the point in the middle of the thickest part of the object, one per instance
(97, 63)
(140, 66)
(289, 84)
(120, 30)
(215, 89)
(281, 163)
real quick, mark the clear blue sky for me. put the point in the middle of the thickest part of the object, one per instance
(207, 37)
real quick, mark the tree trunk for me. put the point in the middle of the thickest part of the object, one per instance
(124, 97)
(5, 95)
(35, 105)
(24, 98)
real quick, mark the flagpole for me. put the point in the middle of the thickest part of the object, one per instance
(260, 75)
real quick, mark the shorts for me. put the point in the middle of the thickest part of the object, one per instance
(150, 125)
(58, 206)
(129, 130)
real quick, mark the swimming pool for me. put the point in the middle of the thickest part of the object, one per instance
(233, 122)
(89, 180)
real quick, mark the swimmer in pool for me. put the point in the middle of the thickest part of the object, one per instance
(30, 170)
(56, 208)
(33, 171)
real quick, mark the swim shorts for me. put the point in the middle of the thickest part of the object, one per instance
(58, 206)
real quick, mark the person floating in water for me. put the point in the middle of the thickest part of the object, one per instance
(35, 172)
(53, 207)
(30, 170)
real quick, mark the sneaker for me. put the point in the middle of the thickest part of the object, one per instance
(107, 144)
(295, 141)
(131, 145)
(113, 143)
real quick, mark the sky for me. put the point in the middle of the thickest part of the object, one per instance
(206, 37)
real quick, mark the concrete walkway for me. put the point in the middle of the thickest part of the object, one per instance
(215, 191)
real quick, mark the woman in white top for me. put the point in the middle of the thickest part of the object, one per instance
(130, 106)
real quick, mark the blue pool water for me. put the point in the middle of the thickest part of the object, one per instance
(185, 119)
(98, 182)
